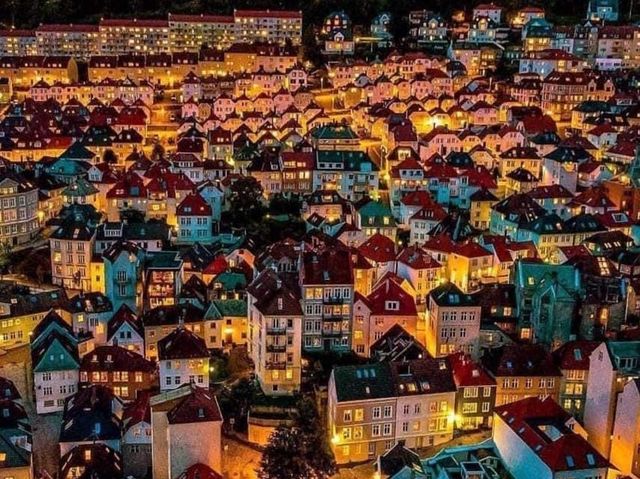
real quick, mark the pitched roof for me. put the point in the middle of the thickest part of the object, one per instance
(182, 344)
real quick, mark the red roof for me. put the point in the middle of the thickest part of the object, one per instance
(138, 410)
(199, 471)
(466, 372)
(193, 205)
(69, 28)
(574, 355)
(471, 250)
(417, 258)
(570, 451)
(389, 290)
(202, 18)
(379, 248)
(118, 22)
(268, 13)
(199, 406)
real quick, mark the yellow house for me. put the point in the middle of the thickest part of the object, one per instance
(480, 210)
(21, 312)
(469, 265)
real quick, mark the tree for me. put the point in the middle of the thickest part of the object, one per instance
(290, 455)
(246, 200)
(110, 157)
(158, 152)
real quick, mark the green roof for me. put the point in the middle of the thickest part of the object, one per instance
(530, 274)
(372, 213)
(350, 160)
(163, 260)
(78, 151)
(221, 308)
(231, 280)
(334, 132)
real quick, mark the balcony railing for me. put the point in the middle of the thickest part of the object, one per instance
(276, 330)
(333, 300)
(276, 348)
(275, 365)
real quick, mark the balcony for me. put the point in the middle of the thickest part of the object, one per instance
(333, 300)
(333, 317)
(276, 348)
(276, 331)
(333, 333)
(122, 279)
(271, 365)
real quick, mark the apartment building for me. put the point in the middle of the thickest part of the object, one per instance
(15, 42)
(522, 371)
(326, 283)
(275, 26)
(69, 40)
(19, 220)
(453, 321)
(125, 372)
(119, 37)
(275, 334)
(371, 407)
(71, 250)
(188, 33)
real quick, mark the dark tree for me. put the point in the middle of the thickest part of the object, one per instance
(289, 455)
(110, 157)
(158, 152)
(245, 201)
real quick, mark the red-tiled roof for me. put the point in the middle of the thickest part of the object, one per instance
(193, 205)
(528, 417)
(379, 248)
(574, 355)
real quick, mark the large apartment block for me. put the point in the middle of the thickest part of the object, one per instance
(177, 33)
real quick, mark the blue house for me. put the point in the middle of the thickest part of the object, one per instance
(195, 221)
(123, 262)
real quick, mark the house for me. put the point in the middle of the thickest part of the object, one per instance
(275, 333)
(136, 436)
(91, 416)
(180, 419)
(183, 358)
(544, 294)
(17, 441)
(452, 322)
(125, 372)
(386, 306)
(475, 393)
(537, 438)
(371, 407)
(521, 371)
(326, 283)
(611, 366)
(97, 460)
(159, 322)
(195, 218)
(55, 362)
(572, 359)
(607, 10)
(123, 261)
(89, 315)
(125, 329)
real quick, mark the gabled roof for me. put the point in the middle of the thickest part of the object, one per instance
(182, 344)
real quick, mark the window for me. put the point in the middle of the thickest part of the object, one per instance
(347, 415)
(388, 411)
(359, 414)
(375, 430)
(376, 413)
(386, 429)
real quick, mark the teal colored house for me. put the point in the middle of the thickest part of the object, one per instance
(123, 263)
(56, 363)
(375, 217)
(195, 221)
(547, 301)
